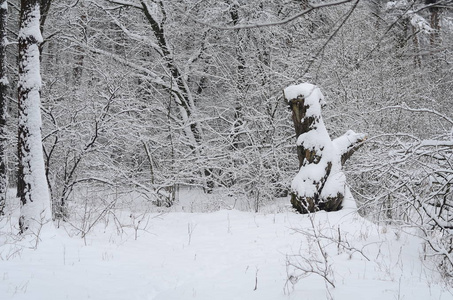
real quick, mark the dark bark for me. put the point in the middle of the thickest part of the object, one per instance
(302, 125)
(79, 57)
(159, 34)
(351, 149)
(434, 11)
(45, 7)
(44, 10)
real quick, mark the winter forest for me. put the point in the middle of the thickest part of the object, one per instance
(231, 149)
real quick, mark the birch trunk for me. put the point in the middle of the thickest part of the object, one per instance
(32, 184)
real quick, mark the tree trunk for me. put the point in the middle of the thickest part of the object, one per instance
(320, 183)
(301, 125)
(183, 97)
(434, 22)
(32, 184)
(3, 104)
(309, 156)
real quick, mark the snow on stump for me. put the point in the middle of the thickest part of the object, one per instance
(320, 183)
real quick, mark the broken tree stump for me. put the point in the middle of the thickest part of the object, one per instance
(320, 183)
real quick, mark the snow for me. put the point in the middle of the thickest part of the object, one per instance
(399, 4)
(225, 254)
(436, 143)
(31, 26)
(302, 183)
(335, 184)
(5, 42)
(32, 79)
(344, 142)
(36, 212)
(315, 139)
(419, 22)
(4, 80)
(312, 94)
(4, 5)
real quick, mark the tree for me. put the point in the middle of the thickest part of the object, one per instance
(191, 96)
(32, 184)
(179, 85)
(3, 104)
(434, 10)
(320, 183)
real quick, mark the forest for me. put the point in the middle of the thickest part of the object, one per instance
(128, 111)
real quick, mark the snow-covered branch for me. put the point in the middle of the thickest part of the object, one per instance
(348, 143)
(311, 7)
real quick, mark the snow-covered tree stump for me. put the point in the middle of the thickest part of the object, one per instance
(320, 183)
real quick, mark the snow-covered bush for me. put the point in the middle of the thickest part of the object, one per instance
(411, 184)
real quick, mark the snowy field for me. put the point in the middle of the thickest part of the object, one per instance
(224, 254)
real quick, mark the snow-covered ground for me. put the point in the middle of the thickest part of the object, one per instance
(226, 254)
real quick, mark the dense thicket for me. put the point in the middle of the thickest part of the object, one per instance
(150, 96)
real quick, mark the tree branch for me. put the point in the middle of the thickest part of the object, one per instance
(282, 22)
